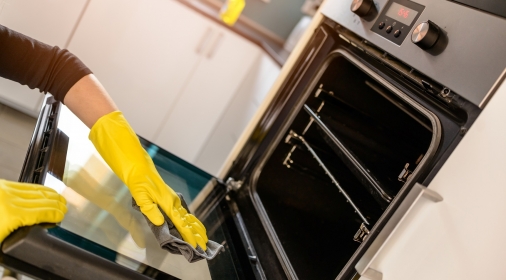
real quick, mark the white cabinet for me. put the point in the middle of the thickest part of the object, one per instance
(238, 114)
(173, 72)
(49, 21)
(144, 52)
(217, 79)
(462, 236)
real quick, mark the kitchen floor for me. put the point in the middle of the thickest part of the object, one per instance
(16, 131)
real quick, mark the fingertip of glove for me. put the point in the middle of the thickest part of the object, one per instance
(62, 200)
(193, 243)
(63, 208)
(153, 214)
(56, 217)
(204, 238)
(157, 221)
(203, 244)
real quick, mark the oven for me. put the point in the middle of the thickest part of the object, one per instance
(368, 110)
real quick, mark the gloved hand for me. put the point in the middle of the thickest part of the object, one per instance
(117, 143)
(23, 204)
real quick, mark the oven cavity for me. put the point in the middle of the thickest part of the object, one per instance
(344, 158)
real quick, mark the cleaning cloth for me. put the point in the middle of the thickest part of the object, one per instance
(170, 239)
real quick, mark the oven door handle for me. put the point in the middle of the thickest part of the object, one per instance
(418, 192)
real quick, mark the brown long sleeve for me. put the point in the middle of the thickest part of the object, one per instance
(38, 65)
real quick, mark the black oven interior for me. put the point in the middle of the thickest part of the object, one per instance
(316, 220)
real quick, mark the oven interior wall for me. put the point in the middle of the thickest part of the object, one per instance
(311, 217)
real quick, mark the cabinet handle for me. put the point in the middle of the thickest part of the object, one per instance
(213, 48)
(415, 194)
(203, 41)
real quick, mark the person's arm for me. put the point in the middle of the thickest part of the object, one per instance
(38, 65)
(62, 74)
(117, 143)
(51, 69)
(89, 100)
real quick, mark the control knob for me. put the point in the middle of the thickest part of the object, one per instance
(426, 35)
(363, 8)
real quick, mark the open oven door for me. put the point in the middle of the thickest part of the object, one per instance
(102, 237)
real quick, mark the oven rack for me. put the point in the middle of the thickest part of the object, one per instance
(356, 166)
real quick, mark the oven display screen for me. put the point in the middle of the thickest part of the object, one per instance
(401, 13)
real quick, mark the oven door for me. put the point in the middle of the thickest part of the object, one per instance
(102, 237)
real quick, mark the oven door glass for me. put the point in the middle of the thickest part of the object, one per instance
(100, 218)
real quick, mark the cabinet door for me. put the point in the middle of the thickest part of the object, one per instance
(238, 114)
(143, 52)
(211, 88)
(49, 21)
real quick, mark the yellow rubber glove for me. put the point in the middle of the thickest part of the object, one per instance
(23, 204)
(117, 143)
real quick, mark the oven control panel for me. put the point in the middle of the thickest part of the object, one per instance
(456, 45)
(397, 19)
(364, 9)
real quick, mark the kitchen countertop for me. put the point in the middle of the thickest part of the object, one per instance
(246, 28)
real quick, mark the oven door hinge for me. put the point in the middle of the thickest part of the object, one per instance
(233, 184)
(361, 234)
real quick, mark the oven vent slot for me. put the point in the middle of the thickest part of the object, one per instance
(292, 134)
